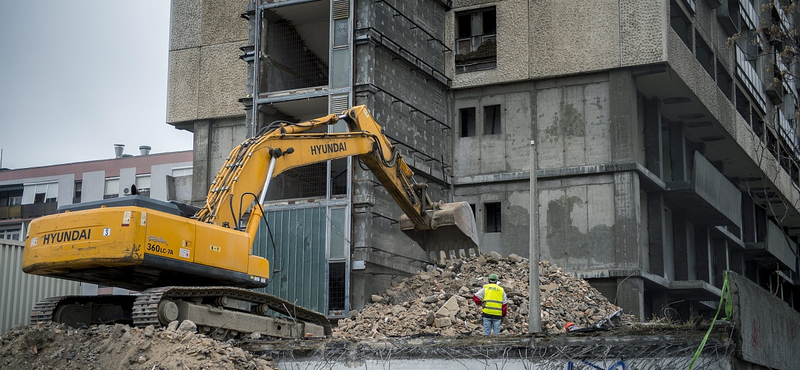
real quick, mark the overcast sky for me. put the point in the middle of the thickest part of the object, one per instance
(78, 76)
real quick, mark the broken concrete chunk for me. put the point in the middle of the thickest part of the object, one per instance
(442, 322)
(449, 309)
(188, 326)
(429, 318)
(377, 299)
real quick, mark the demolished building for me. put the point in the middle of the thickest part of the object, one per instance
(662, 158)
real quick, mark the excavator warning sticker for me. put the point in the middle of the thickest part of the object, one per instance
(107, 231)
(215, 248)
(34, 241)
(185, 253)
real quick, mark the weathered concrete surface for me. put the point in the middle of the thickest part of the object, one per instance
(613, 350)
(768, 329)
(556, 38)
(206, 76)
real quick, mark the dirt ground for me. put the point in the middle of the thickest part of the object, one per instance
(120, 347)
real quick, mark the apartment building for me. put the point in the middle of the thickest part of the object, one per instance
(662, 139)
(27, 193)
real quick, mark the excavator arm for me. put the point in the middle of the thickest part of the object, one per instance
(255, 162)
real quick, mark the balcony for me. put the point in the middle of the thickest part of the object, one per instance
(776, 248)
(39, 209)
(713, 199)
(10, 212)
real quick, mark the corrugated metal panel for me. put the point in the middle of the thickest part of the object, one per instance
(20, 291)
(299, 236)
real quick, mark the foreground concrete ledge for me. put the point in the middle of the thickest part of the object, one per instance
(649, 343)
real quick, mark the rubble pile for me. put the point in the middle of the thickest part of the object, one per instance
(439, 301)
(108, 347)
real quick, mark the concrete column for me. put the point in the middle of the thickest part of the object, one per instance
(627, 220)
(653, 138)
(200, 162)
(630, 296)
(623, 114)
(656, 227)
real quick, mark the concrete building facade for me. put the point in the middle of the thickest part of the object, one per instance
(665, 141)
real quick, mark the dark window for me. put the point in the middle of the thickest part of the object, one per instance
(476, 34)
(467, 118)
(742, 105)
(681, 24)
(38, 198)
(336, 286)
(472, 207)
(704, 54)
(491, 120)
(724, 81)
(76, 198)
(492, 217)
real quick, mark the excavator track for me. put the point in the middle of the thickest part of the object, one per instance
(213, 309)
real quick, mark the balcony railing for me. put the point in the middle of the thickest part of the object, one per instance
(750, 77)
(39, 209)
(10, 212)
(717, 190)
(779, 246)
(712, 198)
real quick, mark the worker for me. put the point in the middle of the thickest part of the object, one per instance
(492, 298)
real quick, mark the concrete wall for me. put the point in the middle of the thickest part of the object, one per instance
(206, 77)
(767, 328)
(554, 38)
(206, 81)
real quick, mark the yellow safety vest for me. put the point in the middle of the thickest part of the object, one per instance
(493, 300)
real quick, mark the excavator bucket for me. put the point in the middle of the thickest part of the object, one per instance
(452, 230)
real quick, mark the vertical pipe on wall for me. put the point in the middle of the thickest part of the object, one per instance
(535, 315)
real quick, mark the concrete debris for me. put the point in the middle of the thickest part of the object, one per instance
(438, 301)
(57, 346)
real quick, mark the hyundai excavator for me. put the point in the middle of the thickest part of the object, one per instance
(198, 264)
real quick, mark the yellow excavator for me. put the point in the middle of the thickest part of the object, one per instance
(198, 264)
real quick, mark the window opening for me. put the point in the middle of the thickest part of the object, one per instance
(491, 120)
(111, 188)
(295, 46)
(76, 196)
(10, 232)
(681, 24)
(476, 40)
(143, 185)
(493, 220)
(467, 118)
(704, 54)
(336, 287)
(724, 81)
(742, 105)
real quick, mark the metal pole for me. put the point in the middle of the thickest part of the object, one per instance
(535, 309)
